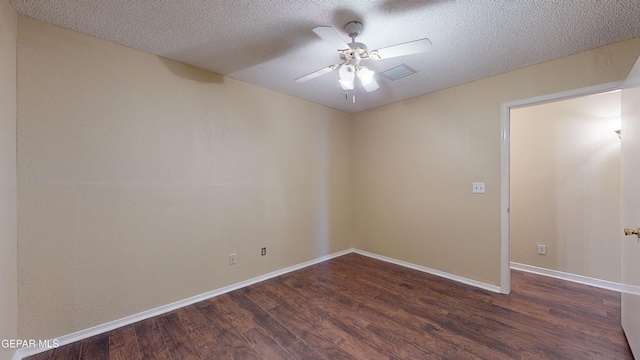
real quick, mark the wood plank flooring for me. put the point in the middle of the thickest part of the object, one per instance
(355, 307)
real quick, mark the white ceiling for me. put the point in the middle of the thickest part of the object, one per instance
(270, 43)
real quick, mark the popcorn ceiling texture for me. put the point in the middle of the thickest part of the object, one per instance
(270, 43)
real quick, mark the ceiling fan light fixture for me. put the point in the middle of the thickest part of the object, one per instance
(347, 74)
(351, 54)
(365, 75)
(346, 84)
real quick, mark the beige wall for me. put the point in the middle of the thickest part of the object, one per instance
(138, 176)
(565, 185)
(414, 162)
(8, 196)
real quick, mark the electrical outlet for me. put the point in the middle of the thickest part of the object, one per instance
(233, 259)
(542, 249)
(263, 252)
(478, 187)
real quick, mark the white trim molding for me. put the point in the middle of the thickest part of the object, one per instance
(505, 199)
(505, 145)
(112, 325)
(585, 280)
(442, 274)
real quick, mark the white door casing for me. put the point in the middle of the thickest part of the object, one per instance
(630, 171)
(505, 135)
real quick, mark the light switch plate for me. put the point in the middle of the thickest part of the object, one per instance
(478, 188)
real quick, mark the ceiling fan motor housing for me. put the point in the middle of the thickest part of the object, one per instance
(358, 47)
(356, 52)
(360, 50)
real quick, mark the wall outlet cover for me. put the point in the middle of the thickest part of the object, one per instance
(478, 188)
(542, 249)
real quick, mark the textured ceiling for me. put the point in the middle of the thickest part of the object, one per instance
(270, 43)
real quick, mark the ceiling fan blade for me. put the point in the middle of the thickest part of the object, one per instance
(409, 48)
(328, 34)
(372, 86)
(317, 73)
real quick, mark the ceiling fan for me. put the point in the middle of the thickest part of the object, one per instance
(351, 54)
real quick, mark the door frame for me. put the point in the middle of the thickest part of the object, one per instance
(505, 154)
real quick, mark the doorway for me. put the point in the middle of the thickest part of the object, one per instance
(507, 108)
(565, 187)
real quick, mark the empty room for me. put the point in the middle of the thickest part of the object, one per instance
(310, 180)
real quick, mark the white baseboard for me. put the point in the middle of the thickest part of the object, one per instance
(112, 325)
(442, 274)
(585, 280)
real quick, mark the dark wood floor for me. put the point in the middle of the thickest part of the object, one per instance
(354, 307)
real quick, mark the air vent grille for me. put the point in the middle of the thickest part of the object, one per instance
(398, 72)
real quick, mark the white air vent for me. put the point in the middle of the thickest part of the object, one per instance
(398, 72)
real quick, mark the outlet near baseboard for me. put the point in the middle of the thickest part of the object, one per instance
(263, 252)
(542, 249)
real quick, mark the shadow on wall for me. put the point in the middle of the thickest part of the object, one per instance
(406, 6)
(261, 48)
(191, 72)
